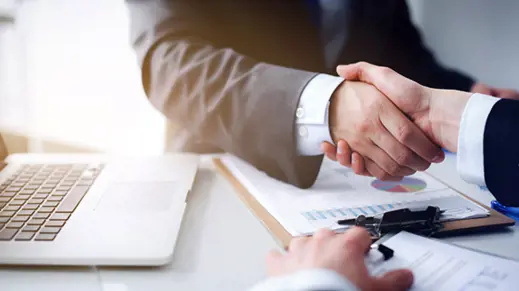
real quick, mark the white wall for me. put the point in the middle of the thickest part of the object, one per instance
(479, 36)
(73, 78)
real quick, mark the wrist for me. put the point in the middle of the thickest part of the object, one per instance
(333, 111)
(339, 97)
(446, 110)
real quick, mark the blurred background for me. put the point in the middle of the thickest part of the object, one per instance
(69, 79)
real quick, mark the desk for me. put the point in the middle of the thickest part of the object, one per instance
(221, 246)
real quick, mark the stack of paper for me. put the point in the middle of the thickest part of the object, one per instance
(440, 266)
(340, 194)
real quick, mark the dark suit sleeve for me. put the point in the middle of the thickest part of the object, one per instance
(408, 55)
(501, 151)
(223, 98)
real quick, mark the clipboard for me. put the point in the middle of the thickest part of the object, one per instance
(495, 221)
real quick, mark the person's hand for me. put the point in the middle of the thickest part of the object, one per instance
(392, 146)
(436, 112)
(342, 253)
(343, 154)
(496, 92)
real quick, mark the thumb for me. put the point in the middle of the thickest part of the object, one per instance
(398, 280)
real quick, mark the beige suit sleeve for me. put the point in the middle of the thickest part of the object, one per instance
(221, 97)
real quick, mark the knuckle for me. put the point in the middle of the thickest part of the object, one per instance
(363, 127)
(405, 158)
(392, 169)
(355, 143)
(385, 71)
(383, 176)
(404, 133)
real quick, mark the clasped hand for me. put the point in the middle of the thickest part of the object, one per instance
(388, 126)
(385, 140)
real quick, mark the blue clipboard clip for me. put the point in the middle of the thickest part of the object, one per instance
(512, 212)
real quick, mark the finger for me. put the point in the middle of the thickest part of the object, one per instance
(273, 261)
(401, 154)
(397, 280)
(380, 77)
(375, 171)
(329, 151)
(358, 240)
(358, 165)
(508, 94)
(344, 153)
(323, 234)
(298, 243)
(385, 162)
(408, 134)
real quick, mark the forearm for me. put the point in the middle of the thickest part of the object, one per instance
(221, 97)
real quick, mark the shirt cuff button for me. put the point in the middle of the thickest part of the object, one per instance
(300, 112)
(303, 131)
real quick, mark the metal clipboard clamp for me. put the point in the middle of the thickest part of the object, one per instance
(423, 221)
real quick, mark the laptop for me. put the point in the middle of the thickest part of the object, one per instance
(61, 209)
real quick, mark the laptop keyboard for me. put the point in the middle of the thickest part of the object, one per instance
(37, 200)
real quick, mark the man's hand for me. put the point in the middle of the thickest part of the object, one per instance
(392, 146)
(342, 253)
(496, 92)
(436, 112)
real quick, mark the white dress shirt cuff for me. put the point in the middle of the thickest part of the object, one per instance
(470, 139)
(312, 126)
(317, 279)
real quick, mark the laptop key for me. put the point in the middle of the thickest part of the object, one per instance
(19, 218)
(60, 216)
(24, 236)
(36, 221)
(17, 202)
(35, 201)
(46, 209)
(26, 212)
(7, 234)
(12, 208)
(31, 228)
(4, 219)
(9, 193)
(16, 225)
(41, 215)
(7, 213)
(50, 230)
(45, 237)
(72, 200)
(55, 223)
(51, 204)
(22, 197)
(41, 196)
(31, 207)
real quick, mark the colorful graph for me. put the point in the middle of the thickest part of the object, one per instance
(406, 185)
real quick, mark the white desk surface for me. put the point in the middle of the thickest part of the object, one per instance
(221, 246)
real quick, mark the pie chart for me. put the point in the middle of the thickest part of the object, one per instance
(406, 185)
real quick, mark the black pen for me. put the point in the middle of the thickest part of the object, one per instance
(384, 253)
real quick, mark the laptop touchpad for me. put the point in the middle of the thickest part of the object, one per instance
(137, 197)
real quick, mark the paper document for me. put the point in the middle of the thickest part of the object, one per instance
(440, 266)
(341, 194)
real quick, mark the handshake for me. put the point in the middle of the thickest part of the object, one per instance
(388, 126)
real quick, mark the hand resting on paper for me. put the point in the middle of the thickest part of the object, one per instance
(335, 255)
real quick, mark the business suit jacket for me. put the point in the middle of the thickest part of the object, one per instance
(501, 151)
(230, 73)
